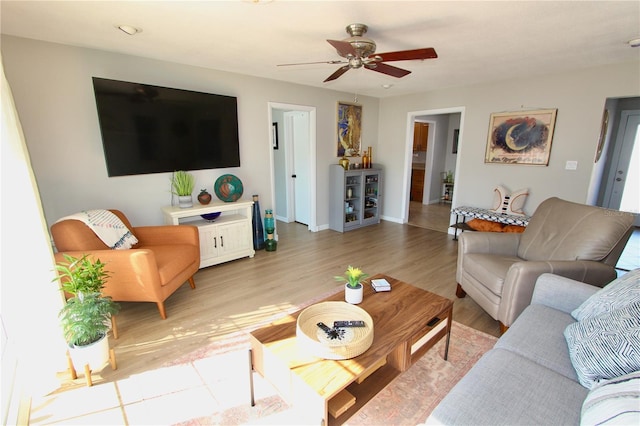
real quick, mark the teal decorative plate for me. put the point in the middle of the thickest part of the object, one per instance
(228, 188)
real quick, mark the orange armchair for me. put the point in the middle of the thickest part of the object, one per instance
(164, 258)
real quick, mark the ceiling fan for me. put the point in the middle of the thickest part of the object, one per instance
(359, 51)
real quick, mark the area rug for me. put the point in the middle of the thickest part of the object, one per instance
(408, 400)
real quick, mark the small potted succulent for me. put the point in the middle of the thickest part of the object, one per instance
(353, 289)
(86, 315)
(204, 197)
(182, 184)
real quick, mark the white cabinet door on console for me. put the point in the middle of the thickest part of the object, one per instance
(226, 238)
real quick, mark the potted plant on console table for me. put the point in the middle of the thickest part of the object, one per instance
(353, 289)
(182, 184)
(87, 313)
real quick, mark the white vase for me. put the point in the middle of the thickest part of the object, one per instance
(185, 201)
(95, 354)
(353, 295)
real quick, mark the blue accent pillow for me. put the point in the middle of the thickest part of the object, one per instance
(606, 346)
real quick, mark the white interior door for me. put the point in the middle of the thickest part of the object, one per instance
(298, 123)
(623, 189)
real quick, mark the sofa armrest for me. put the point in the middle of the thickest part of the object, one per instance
(167, 234)
(505, 244)
(521, 279)
(561, 293)
(502, 244)
(133, 273)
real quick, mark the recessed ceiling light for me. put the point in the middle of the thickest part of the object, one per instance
(635, 42)
(131, 30)
(387, 86)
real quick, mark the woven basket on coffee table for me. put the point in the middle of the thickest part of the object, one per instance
(356, 341)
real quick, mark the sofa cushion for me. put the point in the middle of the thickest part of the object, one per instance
(615, 295)
(504, 388)
(172, 260)
(615, 401)
(537, 336)
(605, 346)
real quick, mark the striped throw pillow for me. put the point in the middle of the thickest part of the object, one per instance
(614, 402)
(605, 346)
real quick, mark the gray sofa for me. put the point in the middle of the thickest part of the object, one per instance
(529, 377)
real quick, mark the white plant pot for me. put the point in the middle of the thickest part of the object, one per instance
(96, 354)
(353, 295)
(185, 201)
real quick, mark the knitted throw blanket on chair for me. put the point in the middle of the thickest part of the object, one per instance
(107, 226)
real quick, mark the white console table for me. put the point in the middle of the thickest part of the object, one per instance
(226, 238)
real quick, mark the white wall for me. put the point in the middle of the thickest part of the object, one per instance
(54, 96)
(579, 97)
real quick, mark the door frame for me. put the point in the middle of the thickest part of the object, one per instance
(411, 118)
(312, 226)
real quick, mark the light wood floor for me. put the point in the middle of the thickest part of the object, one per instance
(430, 216)
(234, 295)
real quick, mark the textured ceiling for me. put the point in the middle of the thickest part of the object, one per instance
(477, 41)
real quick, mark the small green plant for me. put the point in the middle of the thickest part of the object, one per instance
(182, 183)
(85, 318)
(352, 276)
(449, 177)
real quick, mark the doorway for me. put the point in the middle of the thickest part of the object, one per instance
(426, 166)
(622, 191)
(293, 163)
(616, 180)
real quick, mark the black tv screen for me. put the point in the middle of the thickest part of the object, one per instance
(151, 129)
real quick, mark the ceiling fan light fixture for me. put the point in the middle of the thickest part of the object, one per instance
(129, 29)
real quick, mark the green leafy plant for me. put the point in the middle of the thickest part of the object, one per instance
(85, 318)
(182, 183)
(449, 177)
(352, 276)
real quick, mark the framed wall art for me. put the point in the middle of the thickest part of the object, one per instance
(349, 129)
(522, 137)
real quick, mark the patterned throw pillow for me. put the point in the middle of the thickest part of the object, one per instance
(615, 401)
(605, 346)
(505, 203)
(615, 295)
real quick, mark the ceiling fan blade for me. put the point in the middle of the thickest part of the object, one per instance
(338, 73)
(344, 48)
(313, 63)
(387, 69)
(407, 55)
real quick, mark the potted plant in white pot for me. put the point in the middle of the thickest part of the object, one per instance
(182, 184)
(353, 289)
(86, 315)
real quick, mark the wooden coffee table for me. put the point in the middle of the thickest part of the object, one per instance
(408, 321)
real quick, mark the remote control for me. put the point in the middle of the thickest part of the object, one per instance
(324, 327)
(358, 323)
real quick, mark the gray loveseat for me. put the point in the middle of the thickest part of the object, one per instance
(529, 377)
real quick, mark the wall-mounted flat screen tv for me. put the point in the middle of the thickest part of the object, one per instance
(151, 129)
